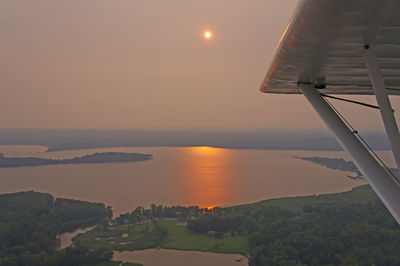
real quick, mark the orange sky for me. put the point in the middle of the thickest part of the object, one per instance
(145, 65)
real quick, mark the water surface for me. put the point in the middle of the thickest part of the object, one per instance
(166, 257)
(66, 238)
(201, 176)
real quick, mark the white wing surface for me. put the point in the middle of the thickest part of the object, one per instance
(323, 45)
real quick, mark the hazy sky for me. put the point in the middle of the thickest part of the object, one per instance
(143, 64)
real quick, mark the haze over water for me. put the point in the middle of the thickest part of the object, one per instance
(201, 176)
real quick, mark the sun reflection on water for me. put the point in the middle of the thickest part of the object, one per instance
(208, 173)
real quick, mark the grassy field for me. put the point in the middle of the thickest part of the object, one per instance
(144, 236)
(121, 238)
(358, 195)
(179, 238)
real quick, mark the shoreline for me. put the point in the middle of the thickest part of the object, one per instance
(93, 158)
(49, 149)
(65, 239)
(68, 236)
(153, 257)
(347, 190)
(187, 161)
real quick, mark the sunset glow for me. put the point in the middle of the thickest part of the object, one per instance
(208, 169)
(205, 149)
(208, 35)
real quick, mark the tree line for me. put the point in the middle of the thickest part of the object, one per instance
(30, 222)
(335, 233)
(141, 214)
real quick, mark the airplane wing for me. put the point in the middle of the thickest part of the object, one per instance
(323, 42)
(345, 47)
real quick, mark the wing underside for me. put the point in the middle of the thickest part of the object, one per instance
(323, 44)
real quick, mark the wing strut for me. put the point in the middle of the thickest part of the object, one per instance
(384, 185)
(383, 101)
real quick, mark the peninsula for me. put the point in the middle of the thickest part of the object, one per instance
(105, 157)
(336, 164)
(340, 164)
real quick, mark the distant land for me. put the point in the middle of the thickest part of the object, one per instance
(106, 157)
(339, 164)
(58, 140)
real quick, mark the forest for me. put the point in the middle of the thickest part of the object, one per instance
(316, 230)
(349, 228)
(30, 222)
(99, 157)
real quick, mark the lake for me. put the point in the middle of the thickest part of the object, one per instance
(201, 176)
(166, 257)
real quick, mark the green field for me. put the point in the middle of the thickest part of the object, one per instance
(183, 239)
(179, 238)
(144, 236)
(359, 195)
(120, 238)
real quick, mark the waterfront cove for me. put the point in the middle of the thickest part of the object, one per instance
(202, 176)
(169, 257)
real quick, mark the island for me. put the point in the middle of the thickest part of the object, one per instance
(104, 157)
(340, 164)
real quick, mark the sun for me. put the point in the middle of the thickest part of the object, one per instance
(208, 35)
